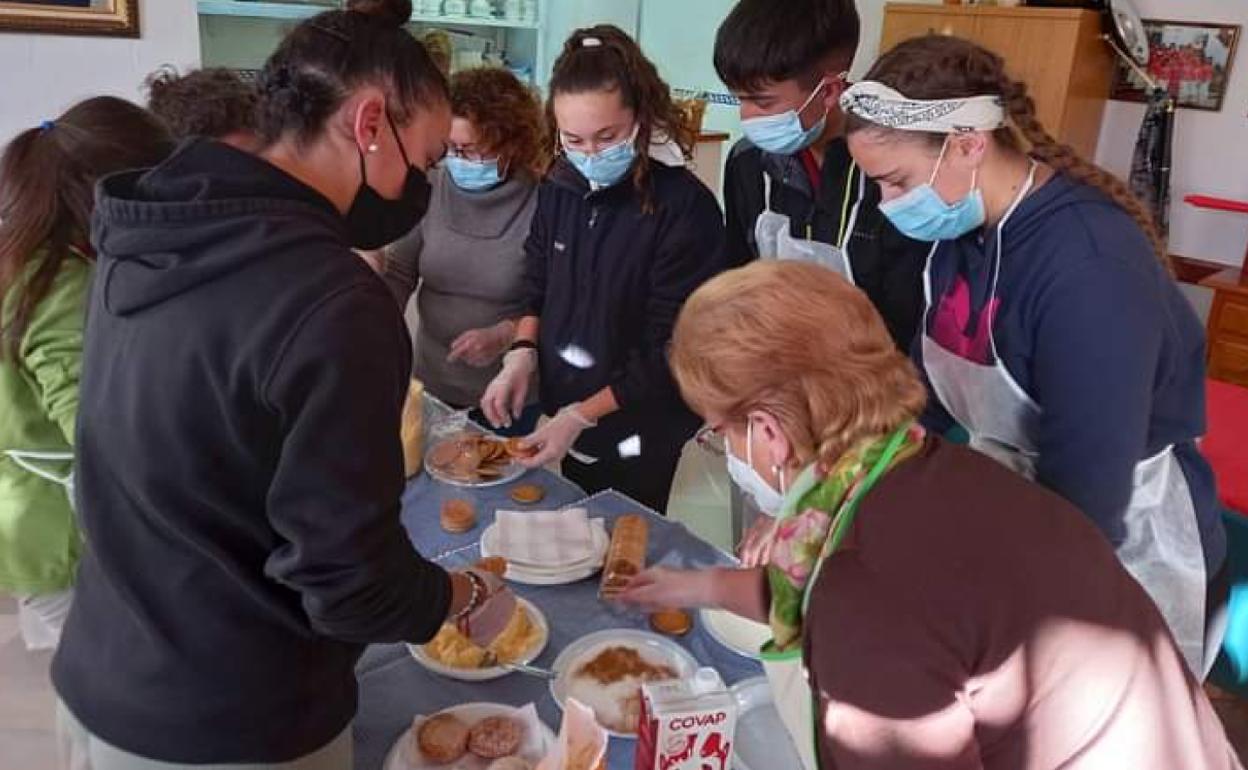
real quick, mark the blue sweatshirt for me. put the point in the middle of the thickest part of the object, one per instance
(1091, 326)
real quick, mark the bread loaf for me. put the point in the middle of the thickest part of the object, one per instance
(626, 556)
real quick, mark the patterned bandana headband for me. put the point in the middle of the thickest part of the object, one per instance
(884, 106)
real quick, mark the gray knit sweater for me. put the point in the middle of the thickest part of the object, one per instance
(467, 257)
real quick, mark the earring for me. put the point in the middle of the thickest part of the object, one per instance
(372, 149)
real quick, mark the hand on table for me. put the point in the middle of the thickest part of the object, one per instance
(553, 440)
(482, 347)
(504, 398)
(493, 611)
(755, 547)
(661, 588)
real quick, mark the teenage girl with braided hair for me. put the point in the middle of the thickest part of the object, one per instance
(622, 235)
(1054, 333)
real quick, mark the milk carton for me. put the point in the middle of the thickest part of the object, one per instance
(686, 724)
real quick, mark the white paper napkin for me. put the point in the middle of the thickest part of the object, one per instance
(549, 539)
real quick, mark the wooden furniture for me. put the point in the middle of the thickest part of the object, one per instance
(1228, 326)
(1058, 52)
(1227, 332)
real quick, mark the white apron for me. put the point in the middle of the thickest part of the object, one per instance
(1162, 549)
(786, 671)
(774, 235)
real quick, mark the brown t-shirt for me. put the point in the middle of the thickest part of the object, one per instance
(976, 620)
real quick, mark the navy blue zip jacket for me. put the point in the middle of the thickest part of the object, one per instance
(608, 280)
(1097, 333)
(239, 469)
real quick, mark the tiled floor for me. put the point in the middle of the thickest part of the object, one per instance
(26, 702)
(699, 500)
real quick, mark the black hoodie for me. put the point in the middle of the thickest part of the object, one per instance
(608, 280)
(239, 469)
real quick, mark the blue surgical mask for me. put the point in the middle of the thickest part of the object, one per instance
(607, 166)
(923, 215)
(783, 134)
(473, 175)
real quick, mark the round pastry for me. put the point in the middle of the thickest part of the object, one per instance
(519, 450)
(444, 454)
(442, 738)
(510, 763)
(495, 737)
(458, 516)
(527, 494)
(671, 622)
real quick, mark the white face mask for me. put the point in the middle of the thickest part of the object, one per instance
(742, 473)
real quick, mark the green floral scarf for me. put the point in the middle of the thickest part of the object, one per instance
(817, 514)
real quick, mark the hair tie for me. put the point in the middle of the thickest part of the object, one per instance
(47, 125)
(591, 42)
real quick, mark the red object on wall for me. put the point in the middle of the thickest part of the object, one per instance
(1225, 444)
(1217, 204)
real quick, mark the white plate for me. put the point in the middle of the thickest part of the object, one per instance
(511, 471)
(494, 672)
(585, 648)
(550, 577)
(741, 635)
(762, 742)
(401, 757)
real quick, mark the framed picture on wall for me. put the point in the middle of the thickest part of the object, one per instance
(116, 18)
(1191, 59)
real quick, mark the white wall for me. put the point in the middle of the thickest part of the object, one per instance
(562, 17)
(1210, 148)
(871, 19)
(44, 74)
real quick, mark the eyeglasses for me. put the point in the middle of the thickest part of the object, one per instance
(710, 439)
(465, 154)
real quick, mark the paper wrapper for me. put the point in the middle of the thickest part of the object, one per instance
(530, 749)
(412, 429)
(582, 741)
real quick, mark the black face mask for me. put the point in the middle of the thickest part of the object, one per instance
(374, 221)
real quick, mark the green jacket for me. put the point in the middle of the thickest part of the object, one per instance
(39, 541)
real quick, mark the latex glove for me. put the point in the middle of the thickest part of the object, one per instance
(755, 547)
(492, 616)
(482, 347)
(662, 588)
(553, 440)
(504, 398)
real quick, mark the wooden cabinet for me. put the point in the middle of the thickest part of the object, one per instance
(1058, 52)
(1228, 326)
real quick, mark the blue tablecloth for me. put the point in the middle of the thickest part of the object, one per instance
(394, 687)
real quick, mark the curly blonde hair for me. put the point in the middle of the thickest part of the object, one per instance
(801, 343)
(506, 114)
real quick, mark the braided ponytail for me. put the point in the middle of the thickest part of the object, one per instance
(1061, 157)
(946, 67)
